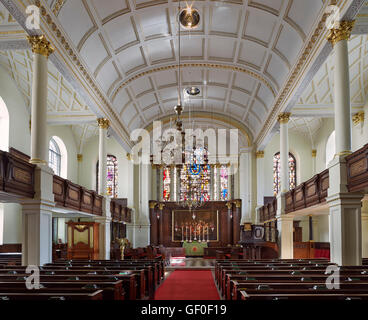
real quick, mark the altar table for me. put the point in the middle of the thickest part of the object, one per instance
(194, 248)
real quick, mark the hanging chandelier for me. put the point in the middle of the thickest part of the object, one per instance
(194, 160)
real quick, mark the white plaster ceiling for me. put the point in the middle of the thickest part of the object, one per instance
(130, 47)
(306, 126)
(62, 101)
(318, 97)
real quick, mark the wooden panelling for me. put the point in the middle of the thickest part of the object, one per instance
(324, 182)
(299, 197)
(86, 200)
(289, 200)
(70, 195)
(97, 204)
(161, 228)
(357, 165)
(58, 188)
(19, 176)
(312, 191)
(307, 194)
(73, 196)
(119, 209)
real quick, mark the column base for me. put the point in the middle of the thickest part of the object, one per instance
(345, 229)
(104, 237)
(37, 233)
(285, 236)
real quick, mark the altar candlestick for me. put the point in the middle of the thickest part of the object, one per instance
(182, 233)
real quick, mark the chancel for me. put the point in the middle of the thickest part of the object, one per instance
(173, 150)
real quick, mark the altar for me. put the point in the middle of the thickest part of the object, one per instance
(215, 223)
(194, 248)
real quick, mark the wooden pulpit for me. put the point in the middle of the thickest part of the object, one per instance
(83, 240)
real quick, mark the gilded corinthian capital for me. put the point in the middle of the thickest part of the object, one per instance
(284, 117)
(341, 33)
(103, 123)
(40, 45)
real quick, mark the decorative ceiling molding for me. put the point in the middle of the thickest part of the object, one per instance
(315, 53)
(196, 65)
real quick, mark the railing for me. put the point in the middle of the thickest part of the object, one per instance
(308, 194)
(72, 196)
(305, 195)
(119, 210)
(16, 175)
(357, 167)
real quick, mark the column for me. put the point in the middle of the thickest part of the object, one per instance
(37, 213)
(285, 236)
(41, 49)
(103, 125)
(314, 162)
(172, 183)
(154, 182)
(283, 119)
(260, 178)
(244, 185)
(365, 227)
(218, 183)
(345, 229)
(212, 182)
(311, 235)
(365, 125)
(80, 160)
(339, 40)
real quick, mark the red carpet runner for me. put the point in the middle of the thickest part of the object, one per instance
(188, 285)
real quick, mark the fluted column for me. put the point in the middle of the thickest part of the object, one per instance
(41, 49)
(345, 229)
(102, 155)
(339, 39)
(260, 178)
(283, 119)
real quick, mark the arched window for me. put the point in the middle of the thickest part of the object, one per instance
(330, 148)
(58, 157)
(112, 176)
(4, 126)
(276, 172)
(54, 157)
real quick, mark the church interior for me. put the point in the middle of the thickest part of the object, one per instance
(222, 145)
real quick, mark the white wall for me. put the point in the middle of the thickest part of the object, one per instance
(87, 174)
(65, 133)
(20, 139)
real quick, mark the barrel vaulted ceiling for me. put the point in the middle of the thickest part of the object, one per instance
(245, 56)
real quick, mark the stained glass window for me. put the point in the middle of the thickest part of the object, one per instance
(54, 157)
(224, 183)
(276, 172)
(197, 176)
(112, 176)
(166, 182)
